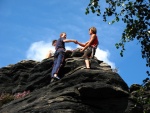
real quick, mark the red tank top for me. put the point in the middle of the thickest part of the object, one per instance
(95, 42)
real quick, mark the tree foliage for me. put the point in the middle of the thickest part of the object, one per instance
(135, 14)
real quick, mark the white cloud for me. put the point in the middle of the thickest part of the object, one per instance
(104, 56)
(39, 50)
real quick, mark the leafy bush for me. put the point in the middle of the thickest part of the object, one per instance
(5, 98)
(143, 97)
(21, 95)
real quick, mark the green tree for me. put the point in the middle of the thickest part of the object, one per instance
(135, 14)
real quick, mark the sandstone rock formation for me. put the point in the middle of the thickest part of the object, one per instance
(95, 90)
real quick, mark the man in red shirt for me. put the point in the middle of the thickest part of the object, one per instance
(90, 46)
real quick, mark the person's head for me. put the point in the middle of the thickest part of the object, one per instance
(54, 42)
(92, 30)
(63, 35)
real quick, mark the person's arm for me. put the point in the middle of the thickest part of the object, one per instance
(89, 42)
(69, 40)
(81, 44)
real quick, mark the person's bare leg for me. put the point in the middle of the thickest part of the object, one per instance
(49, 54)
(87, 63)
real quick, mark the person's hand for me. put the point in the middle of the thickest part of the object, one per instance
(76, 42)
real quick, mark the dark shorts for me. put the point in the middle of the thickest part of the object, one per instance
(89, 53)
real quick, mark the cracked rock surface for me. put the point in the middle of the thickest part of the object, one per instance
(80, 90)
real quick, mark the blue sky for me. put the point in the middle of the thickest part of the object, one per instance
(27, 28)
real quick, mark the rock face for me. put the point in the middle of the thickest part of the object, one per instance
(95, 90)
